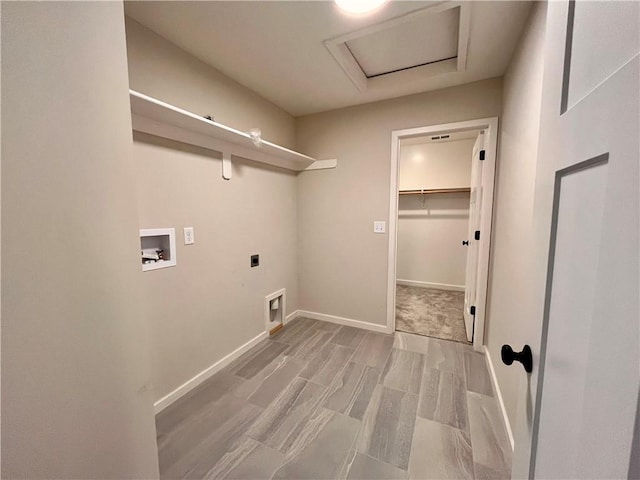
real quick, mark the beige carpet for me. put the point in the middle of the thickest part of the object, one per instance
(431, 312)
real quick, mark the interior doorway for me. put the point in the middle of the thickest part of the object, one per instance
(440, 227)
(436, 214)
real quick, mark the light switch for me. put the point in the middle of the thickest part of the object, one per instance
(379, 227)
(189, 239)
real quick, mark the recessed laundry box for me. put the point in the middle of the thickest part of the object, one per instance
(157, 248)
(275, 310)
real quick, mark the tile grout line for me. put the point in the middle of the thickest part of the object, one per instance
(353, 448)
(342, 365)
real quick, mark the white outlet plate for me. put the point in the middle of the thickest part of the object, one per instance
(379, 227)
(189, 238)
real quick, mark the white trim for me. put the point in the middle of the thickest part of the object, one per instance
(374, 327)
(440, 286)
(490, 127)
(340, 52)
(392, 254)
(267, 307)
(292, 316)
(322, 164)
(208, 372)
(496, 389)
(464, 31)
(338, 48)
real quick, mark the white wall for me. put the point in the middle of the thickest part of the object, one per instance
(430, 246)
(510, 284)
(343, 267)
(211, 303)
(76, 400)
(435, 165)
(431, 227)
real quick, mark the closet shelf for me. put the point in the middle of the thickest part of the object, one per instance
(427, 191)
(153, 116)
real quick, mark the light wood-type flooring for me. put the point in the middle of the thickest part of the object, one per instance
(323, 401)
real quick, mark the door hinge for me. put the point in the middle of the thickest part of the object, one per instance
(472, 310)
(481, 154)
(477, 235)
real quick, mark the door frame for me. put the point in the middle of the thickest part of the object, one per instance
(490, 126)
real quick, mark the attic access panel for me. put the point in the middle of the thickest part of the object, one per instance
(414, 43)
(426, 42)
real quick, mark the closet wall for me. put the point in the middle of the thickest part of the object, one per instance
(211, 302)
(435, 164)
(431, 227)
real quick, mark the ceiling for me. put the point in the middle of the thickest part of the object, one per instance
(286, 50)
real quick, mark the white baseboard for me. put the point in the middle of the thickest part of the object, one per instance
(201, 377)
(496, 389)
(186, 387)
(441, 286)
(291, 316)
(374, 327)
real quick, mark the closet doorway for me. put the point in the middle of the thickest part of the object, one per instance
(442, 189)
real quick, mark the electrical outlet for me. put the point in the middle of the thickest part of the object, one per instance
(189, 239)
(379, 227)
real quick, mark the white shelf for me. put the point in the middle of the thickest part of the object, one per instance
(153, 116)
(427, 191)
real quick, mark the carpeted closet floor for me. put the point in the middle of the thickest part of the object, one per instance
(431, 312)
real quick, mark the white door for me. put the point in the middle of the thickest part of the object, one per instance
(579, 420)
(475, 208)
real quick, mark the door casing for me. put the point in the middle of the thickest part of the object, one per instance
(490, 126)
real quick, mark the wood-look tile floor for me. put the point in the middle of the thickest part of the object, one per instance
(323, 401)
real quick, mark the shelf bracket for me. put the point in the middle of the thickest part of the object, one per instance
(226, 165)
(322, 165)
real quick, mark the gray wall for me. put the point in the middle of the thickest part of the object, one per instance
(211, 303)
(76, 400)
(342, 263)
(510, 285)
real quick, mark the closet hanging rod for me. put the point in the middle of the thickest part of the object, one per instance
(434, 190)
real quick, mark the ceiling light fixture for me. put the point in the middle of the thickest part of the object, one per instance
(359, 6)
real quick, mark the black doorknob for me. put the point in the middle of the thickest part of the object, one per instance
(524, 357)
(465, 242)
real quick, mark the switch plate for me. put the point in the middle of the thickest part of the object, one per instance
(379, 227)
(255, 260)
(189, 239)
